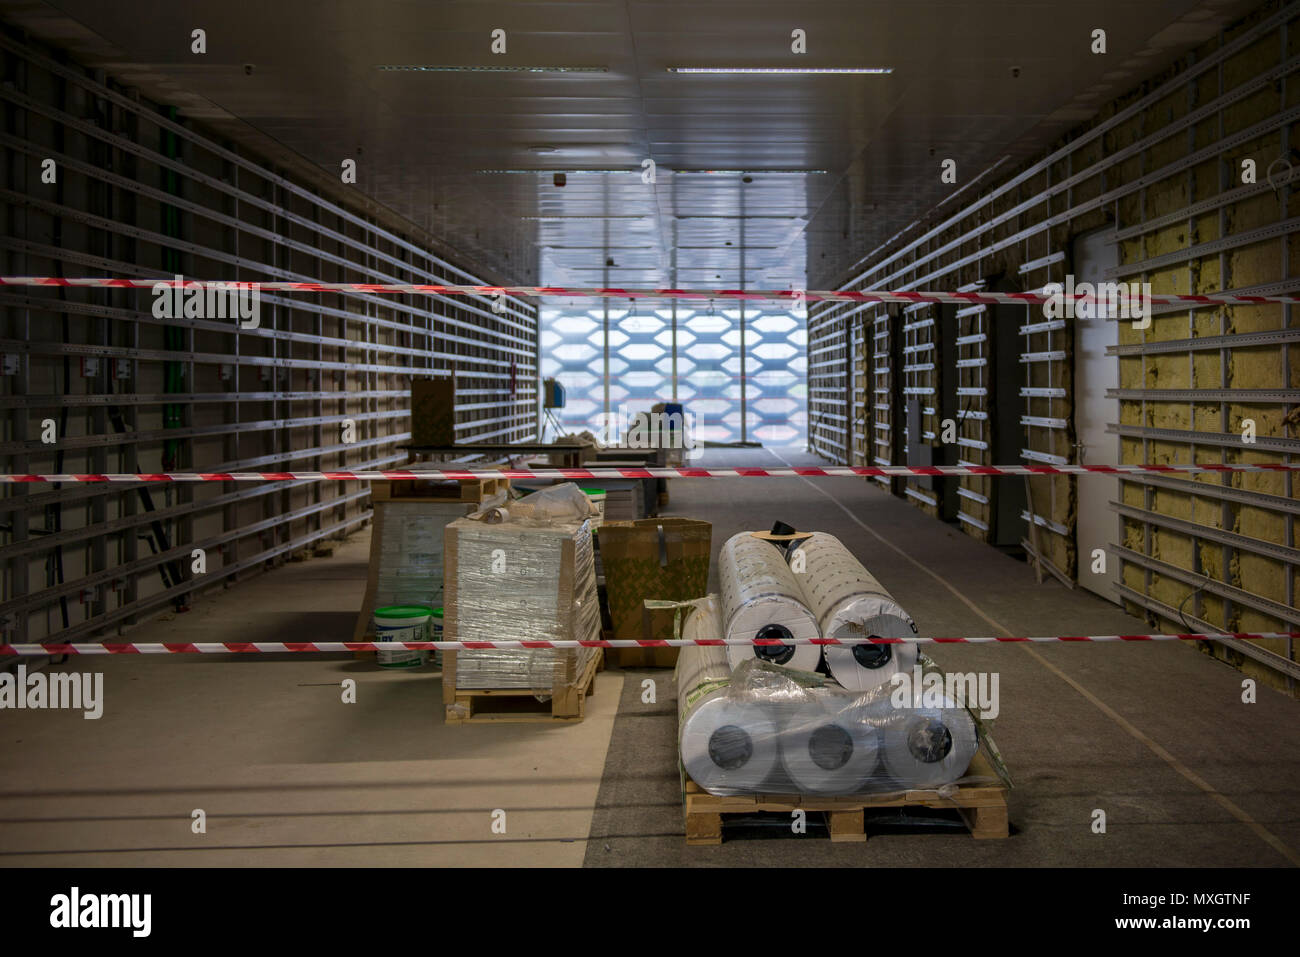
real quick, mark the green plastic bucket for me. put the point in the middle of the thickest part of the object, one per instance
(597, 496)
(402, 623)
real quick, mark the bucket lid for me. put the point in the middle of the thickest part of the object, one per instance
(773, 537)
(437, 613)
(593, 491)
(403, 611)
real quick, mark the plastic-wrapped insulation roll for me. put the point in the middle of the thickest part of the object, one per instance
(831, 745)
(727, 747)
(850, 603)
(928, 747)
(761, 598)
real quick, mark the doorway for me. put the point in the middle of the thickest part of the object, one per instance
(1095, 372)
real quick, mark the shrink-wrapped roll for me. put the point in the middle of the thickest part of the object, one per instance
(726, 745)
(849, 602)
(762, 599)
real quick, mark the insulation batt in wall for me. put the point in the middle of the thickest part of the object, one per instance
(1159, 172)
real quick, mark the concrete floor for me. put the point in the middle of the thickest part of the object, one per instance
(287, 774)
(1154, 734)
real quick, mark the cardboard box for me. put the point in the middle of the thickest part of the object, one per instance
(665, 559)
(433, 411)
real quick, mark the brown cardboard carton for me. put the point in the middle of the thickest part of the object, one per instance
(658, 558)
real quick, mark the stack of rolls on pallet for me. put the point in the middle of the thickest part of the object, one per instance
(762, 719)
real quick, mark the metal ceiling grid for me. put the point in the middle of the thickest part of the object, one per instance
(421, 138)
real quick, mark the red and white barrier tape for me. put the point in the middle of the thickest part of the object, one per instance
(797, 471)
(787, 295)
(276, 647)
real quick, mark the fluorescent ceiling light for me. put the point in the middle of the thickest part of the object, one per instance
(547, 219)
(729, 216)
(550, 172)
(663, 169)
(747, 172)
(854, 70)
(417, 68)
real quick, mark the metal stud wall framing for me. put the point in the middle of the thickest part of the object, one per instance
(1224, 547)
(883, 436)
(972, 391)
(141, 193)
(920, 368)
(1161, 167)
(830, 374)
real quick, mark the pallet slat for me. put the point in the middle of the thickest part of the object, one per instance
(983, 808)
(470, 705)
(472, 491)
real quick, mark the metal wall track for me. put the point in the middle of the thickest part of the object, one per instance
(322, 383)
(1163, 171)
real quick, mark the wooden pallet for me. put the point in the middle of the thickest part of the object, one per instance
(473, 490)
(983, 807)
(485, 705)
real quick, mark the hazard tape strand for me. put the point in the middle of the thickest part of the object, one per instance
(785, 295)
(277, 647)
(830, 471)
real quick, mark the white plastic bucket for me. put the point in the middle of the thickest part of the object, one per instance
(435, 633)
(402, 623)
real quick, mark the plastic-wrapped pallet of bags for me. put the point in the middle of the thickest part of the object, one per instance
(528, 575)
(409, 565)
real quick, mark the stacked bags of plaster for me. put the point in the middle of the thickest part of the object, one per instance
(522, 571)
(760, 719)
